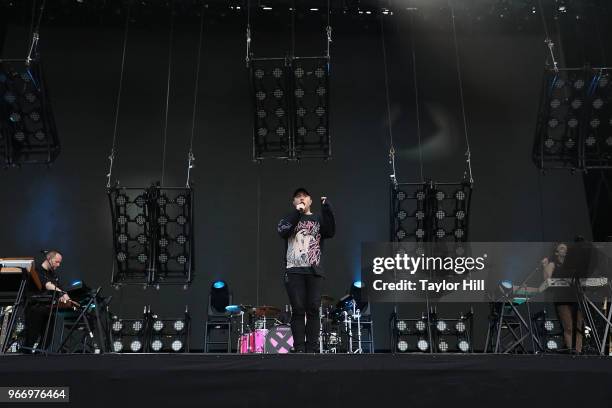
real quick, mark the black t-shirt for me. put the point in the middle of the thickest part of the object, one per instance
(304, 236)
(45, 276)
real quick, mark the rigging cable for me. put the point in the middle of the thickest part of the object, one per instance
(468, 153)
(191, 156)
(113, 152)
(163, 172)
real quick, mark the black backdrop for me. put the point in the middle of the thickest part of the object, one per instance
(65, 206)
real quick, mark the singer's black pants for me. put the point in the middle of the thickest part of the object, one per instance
(304, 292)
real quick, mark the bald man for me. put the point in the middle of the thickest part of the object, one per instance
(37, 313)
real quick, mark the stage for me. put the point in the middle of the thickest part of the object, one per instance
(218, 380)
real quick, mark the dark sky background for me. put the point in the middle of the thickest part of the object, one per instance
(65, 206)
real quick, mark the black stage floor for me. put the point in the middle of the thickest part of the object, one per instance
(370, 380)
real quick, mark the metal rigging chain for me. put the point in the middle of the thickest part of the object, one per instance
(191, 157)
(393, 176)
(163, 172)
(548, 40)
(111, 157)
(468, 153)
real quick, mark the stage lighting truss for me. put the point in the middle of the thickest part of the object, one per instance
(291, 108)
(170, 335)
(153, 235)
(430, 212)
(411, 335)
(549, 332)
(129, 335)
(151, 334)
(27, 127)
(574, 128)
(453, 335)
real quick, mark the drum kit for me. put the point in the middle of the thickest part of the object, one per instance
(265, 329)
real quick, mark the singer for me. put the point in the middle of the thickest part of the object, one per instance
(304, 234)
(37, 313)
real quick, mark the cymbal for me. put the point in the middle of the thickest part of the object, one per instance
(237, 308)
(327, 300)
(266, 311)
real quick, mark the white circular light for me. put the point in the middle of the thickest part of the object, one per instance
(179, 325)
(181, 220)
(440, 214)
(401, 234)
(422, 345)
(137, 326)
(181, 200)
(181, 239)
(319, 72)
(117, 346)
(576, 103)
(440, 233)
(117, 326)
(260, 95)
(299, 93)
(553, 122)
(181, 259)
(549, 143)
(420, 195)
(142, 239)
(401, 215)
(552, 345)
(443, 346)
(595, 122)
(573, 122)
(402, 346)
(163, 242)
(590, 141)
(321, 91)
(156, 345)
(121, 256)
(460, 327)
(460, 214)
(122, 238)
(460, 195)
(420, 233)
(142, 257)
(158, 325)
(464, 346)
(140, 219)
(163, 258)
(400, 195)
(277, 72)
(555, 103)
(259, 73)
(135, 346)
(548, 325)
(177, 345)
(579, 84)
(598, 103)
(299, 72)
(401, 325)
(278, 93)
(420, 326)
(441, 326)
